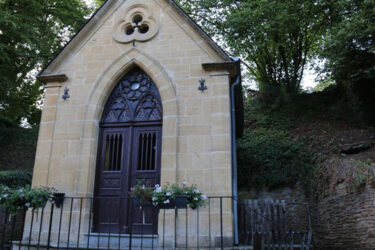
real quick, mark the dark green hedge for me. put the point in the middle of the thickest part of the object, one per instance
(17, 148)
(15, 178)
(272, 158)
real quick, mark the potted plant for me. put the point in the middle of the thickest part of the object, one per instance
(195, 198)
(17, 200)
(142, 195)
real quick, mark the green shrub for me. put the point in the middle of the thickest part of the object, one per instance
(17, 148)
(15, 178)
(271, 158)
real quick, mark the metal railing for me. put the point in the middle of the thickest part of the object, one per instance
(11, 227)
(73, 226)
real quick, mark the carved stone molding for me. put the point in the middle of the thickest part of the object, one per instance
(138, 24)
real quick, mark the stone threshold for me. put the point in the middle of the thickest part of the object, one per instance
(43, 246)
(114, 235)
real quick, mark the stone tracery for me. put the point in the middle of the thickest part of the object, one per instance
(139, 24)
(136, 98)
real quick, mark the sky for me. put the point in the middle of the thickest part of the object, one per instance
(90, 2)
(308, 80)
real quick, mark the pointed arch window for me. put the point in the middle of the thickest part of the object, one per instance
(135, 99)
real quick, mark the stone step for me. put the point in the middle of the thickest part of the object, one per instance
(122, 241)
(94, 246)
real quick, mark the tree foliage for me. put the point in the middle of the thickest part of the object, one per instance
(99, 2)
(31, 32)
(275, 37)
(350, 42)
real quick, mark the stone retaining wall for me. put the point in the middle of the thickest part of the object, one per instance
(341, 221)
(345, 221)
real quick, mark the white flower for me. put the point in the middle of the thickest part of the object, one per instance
(28, 204)
(204, 197)
(158, 190)
(155, 203)
(195, 198)
(153, 198)
(157, 185)
(166, 201)
(184, 183)
(196, 191)
(168, 194)
(143, 187)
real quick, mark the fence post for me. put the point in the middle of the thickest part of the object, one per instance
(50, 227)
(257, 241)
(4, 229)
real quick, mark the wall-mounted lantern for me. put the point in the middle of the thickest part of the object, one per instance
(202, 86)
(66, 94)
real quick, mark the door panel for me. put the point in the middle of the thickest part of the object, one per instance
(110, 182)
(128, 155)
(145, 168)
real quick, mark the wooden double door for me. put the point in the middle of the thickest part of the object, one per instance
(127, 155)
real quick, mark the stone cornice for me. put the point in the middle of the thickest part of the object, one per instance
(231, 67)
(52, 78)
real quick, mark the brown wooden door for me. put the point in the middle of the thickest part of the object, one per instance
(129, 151)
(128, 155)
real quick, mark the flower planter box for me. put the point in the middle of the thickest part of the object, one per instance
(58, 198)
(178, 202)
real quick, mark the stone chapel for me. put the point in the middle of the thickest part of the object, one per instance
(140, 92)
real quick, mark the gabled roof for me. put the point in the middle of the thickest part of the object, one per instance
(106, 7)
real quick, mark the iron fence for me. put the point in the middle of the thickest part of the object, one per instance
(73, 225)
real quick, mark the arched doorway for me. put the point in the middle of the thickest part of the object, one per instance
(129, 152)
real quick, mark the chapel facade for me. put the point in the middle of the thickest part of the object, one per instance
(140, 93)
